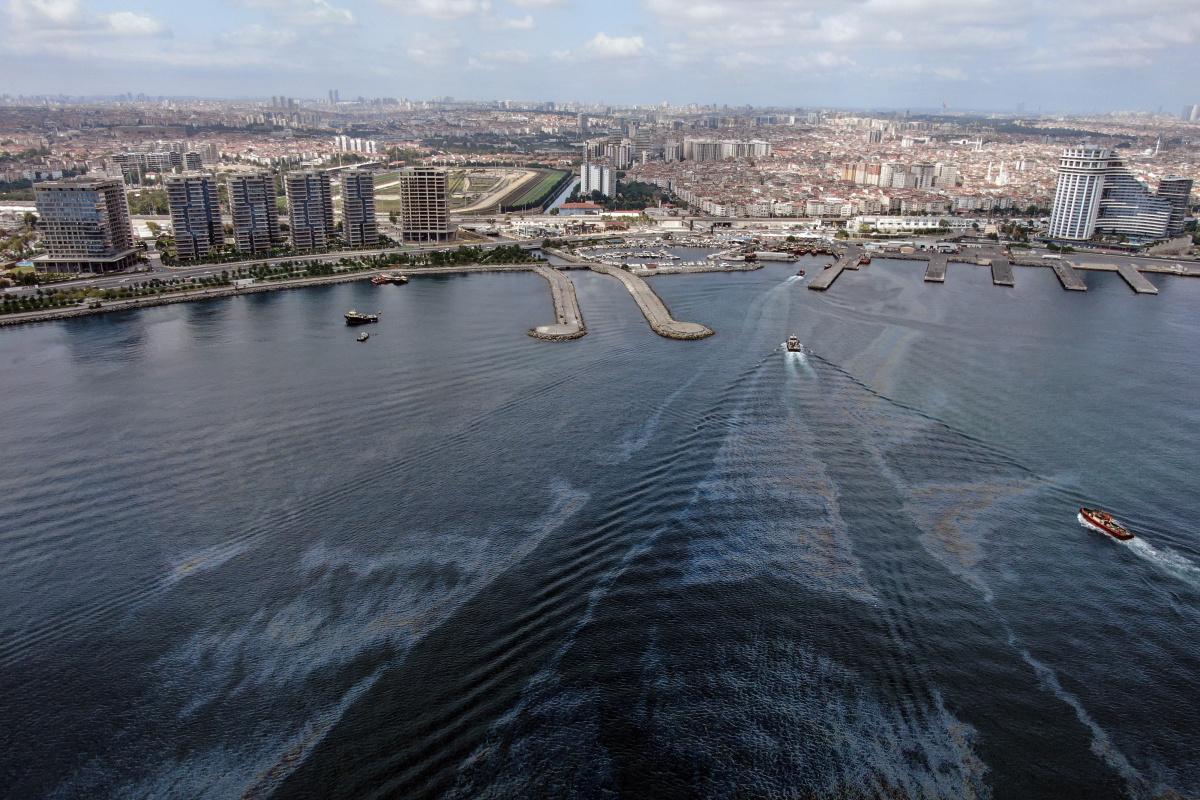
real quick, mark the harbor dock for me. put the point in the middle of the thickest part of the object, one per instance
(1068, 276)
(848, 260)
(655, 312)
(566, 308)
(1136, 280)
(935, 272)
(1002, 272)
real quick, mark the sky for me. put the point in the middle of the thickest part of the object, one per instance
(1052, 55)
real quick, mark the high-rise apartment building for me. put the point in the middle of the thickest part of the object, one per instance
(195, 214)
(596, 178)
(1096, 192)
(210, 155)
(192, 162)
(310, 208)
(1178, 192)
(1191, 113)
(359, 228)
(424, 205)
(85, 226)
(255, 211)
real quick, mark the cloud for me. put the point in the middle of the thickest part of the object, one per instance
(539, 3)
(257, 36)
(433, 48)
(316, 13)
(439, 9)
(51, 17)
(525, 23)
(604, 46)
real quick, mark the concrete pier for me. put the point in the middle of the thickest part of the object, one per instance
(1002, 272)
(1136, 280)
(652, 307)
(825, 279)
(1067, 275)
(566, 308)
(935, 272)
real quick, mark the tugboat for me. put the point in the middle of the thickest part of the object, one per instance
(399, 280)
(793, 344)
(865, 260)
(380, 280)
(1104, 523)
(362, 337)
(355, 318)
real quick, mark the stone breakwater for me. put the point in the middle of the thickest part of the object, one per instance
(566, 308)
(653, 309)
(693, 269)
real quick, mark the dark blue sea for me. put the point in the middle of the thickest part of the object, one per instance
(244, 556)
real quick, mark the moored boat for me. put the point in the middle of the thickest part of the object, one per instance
(865, 260)
(793, 344)
(379, 280)
(355, 318)
(1104, 523)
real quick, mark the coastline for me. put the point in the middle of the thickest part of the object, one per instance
(54, 314)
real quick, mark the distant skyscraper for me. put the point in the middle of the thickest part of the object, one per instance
(424, 205)
(195, 214)
(85, 226)
(1096, 192)
(310, 208)
(1190, 113)
(255, 211)
(874, 137)
(359, 228)
(1178, 192)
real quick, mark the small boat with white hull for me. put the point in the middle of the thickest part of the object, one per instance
(355, 318)
(362, 337)
(793, 345)
(1104, 523)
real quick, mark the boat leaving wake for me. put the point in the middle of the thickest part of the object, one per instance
(1168, 560)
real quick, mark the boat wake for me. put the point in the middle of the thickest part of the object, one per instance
(1167, 560)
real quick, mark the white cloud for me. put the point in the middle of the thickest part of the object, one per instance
(509, 56)
(439, 9)
(604, 46)
(433, 48)
(318, 13)
(50, 17)
(525, 23)
(257, 36)
(539, 3)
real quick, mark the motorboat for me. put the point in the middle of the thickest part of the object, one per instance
(1103, 522)
(793, 344)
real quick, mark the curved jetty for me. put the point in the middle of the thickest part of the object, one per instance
(652, 307)
(566, 308)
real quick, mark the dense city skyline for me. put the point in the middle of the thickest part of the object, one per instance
(989, 55)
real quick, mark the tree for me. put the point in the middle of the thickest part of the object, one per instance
(31, 219)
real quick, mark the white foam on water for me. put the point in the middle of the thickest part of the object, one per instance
(1166, 559)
